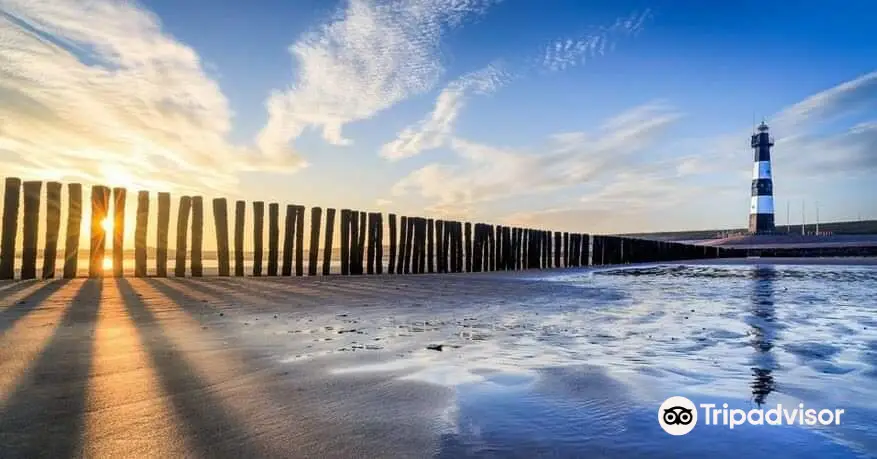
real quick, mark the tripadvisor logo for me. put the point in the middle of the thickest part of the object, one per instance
(678, 416)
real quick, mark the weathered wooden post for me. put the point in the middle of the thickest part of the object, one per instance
(258, 233)
(430, 245)
(53, 226)
(438, 236)
(467, 236)
(220, 220)
(31, 217)
(422, 245)
(299, 240)
(119, 198)
(354, 241)
(100, 199)
(379, 243)
(197, 263)
(240, 212)
(288, 239)
(372, 250)
(391, 264)
(140, 224)
(327, 246)
(460, 262)
(162, 234)
(314, 251)
(345, 241)
(360, 245)
(74, 224)
(273, 238)
(403, 236)
(182, 230)
(11, 202)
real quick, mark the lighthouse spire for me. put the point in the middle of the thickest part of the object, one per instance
(761, 211)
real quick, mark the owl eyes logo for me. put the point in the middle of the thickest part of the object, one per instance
(677, 415)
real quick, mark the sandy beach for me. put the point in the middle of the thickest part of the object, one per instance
(324, 367)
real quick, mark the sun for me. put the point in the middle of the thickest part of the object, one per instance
(108, 263)
(107, 225)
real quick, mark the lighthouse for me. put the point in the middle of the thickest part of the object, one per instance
(761, 211)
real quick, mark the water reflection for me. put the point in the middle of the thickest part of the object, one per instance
(763, 323)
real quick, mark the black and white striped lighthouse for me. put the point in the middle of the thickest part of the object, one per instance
(761, 212)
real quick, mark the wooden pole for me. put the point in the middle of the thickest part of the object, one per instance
(430, 245)
(379, 241)
(467, 249)
(403, 236)
(240, 213)
(162, 234)
(140, 225)
(31, 217)
(391, 264)
(327, 246)
(360, 244)
(314, 251)
(182, 230)
(197, 263)
(345, 242)
(53, 226)
(100, 198)
(273, 237)
(372, 250)
(354, 241)
(258, 233)
(119, 198)
(421, 266)
(220, 220)
(439, 236)
(11, 203)
(74, 224)
(299, 240)
(288, 239)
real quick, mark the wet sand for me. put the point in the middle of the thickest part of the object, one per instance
(288, 367)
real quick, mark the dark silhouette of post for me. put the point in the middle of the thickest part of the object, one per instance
(299, 240)
(467, 234)
(345, 241)
(422, 245)
(240, 211)
(360, 245)
(273, 237)
(141, 222)
(372, 249)
(354, 240)
(258, 234)
(439, 236)
(182, 235)
(409, 245)
(100, 204)
(430, 246)
(491, 248)
(31, 220)
(403, 236)
(11, 202)
(53, 226)
(162, 233)
(288, 239)
(119, 198)
(74, 224)
(314, 251)
(379, 243)
(220, 220)
(391, 264)
(197, 263)
(327, 246)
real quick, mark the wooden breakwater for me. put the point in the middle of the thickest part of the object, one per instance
(415, 245)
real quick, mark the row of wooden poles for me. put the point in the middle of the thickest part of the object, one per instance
(416, 245)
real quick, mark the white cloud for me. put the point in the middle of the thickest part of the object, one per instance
(96, 91)
(374, 55)
(436, 129)
(484, 173)
(566, 53)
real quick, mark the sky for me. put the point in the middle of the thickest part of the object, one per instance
(589, 116)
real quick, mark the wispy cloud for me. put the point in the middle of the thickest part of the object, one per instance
(436, 128)
(96, 91)
(373, 55)
(569, 52)
(485, 173)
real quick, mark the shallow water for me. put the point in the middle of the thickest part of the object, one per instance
(579, 369)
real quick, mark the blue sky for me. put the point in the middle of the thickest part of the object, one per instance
(617, 116)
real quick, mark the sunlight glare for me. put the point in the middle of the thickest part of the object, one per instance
(107, 225)
(108, 263)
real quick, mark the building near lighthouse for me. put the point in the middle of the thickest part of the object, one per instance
(761, 208)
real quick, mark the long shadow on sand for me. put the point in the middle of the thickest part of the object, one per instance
(207, 424)
(45, 415)
(26, 305)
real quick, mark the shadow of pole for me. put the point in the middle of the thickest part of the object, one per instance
(45, 414)
(12, 314)
(209, 426)
(763, 323)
